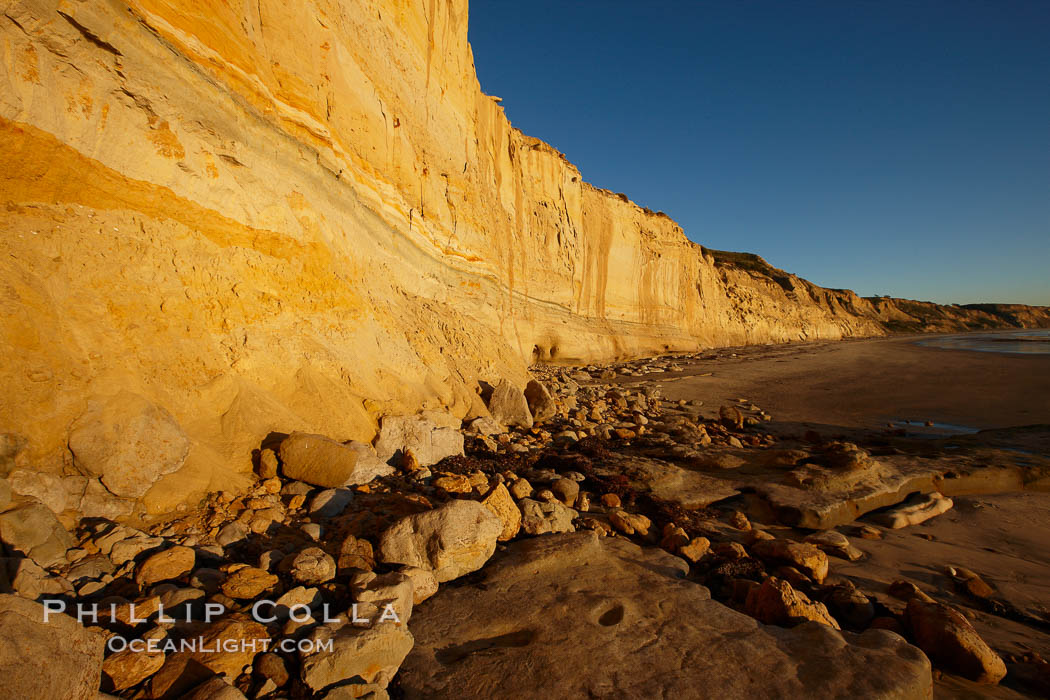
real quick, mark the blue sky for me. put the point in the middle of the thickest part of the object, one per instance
(895, 148)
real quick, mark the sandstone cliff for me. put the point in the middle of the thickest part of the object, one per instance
(303, 215)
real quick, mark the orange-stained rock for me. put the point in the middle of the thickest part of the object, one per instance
(500, 502)
(775, 602)
(165, 565)
(802, 555)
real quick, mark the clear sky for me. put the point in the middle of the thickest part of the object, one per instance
(888, 147)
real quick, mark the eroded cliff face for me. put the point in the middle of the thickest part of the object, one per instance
(277, 216)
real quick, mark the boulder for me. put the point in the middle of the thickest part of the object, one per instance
(395, 589)
(271, 667)
(166, 565)
(91, 567)
(695, 549)
(629, 523)
(850, 606)
(540, 402)
(268, 464)
(805, 557)
(520, 488)
(508, 405)
(602, 617)
(31, 528)
(231, 533)
(321, 461)
(96, 501)
(248, 583)
(298, 596)
(485, 425)
(546, 517)
(775, 602)
(356, 553)
(915, 510)
(330, 502)
(452, 540)
(224, 647)
(951, 642)
(44, 660)
(835, 544)
(453, 483)
(215, 688)
(373, 654)
(500, 502)
(368, 462)
(429, 441)
(424, 585)
(312, 566)
(970, 582)
(29, 580)
(130, 667)
(565, 490)
(130, 548)
(128, 443)
(666, 481)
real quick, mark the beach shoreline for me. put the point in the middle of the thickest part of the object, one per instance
(868, 383)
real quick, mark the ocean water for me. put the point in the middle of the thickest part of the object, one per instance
(1009, 342)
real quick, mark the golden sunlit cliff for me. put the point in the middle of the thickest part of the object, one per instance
(278, 216)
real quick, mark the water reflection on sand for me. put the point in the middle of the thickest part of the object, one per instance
(1013, 342)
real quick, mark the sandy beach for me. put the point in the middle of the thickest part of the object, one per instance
(856, 388)
(869, 383)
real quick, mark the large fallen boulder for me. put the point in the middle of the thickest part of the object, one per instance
(592, 617)
(44, 659)
(541, 403)
(508, 405)
(127, 442)
(321, 461)
(429, 440)
(452, 540)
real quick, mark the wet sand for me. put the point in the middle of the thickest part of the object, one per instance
(869, 383)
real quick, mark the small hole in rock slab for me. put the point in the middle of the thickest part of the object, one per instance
(612, 616)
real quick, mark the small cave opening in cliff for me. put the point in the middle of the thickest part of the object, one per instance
(543, 354)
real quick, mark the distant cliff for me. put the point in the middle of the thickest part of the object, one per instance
(308, 215)
(890, 314)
